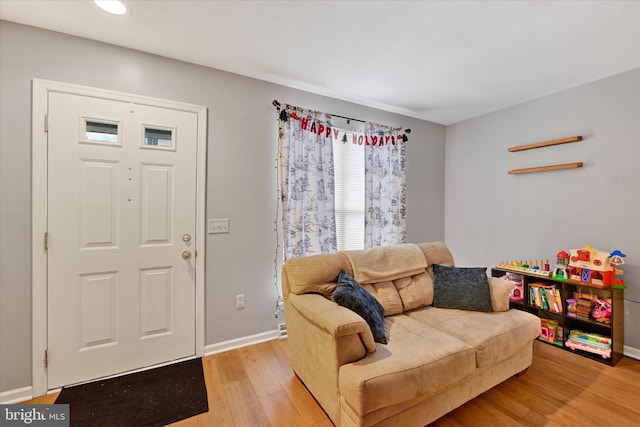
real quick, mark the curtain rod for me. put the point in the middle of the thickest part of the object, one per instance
(277, 104)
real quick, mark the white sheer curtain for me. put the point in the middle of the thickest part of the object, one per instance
(385, 186)
(306, 182)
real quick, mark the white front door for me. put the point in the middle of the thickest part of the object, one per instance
(121, 236)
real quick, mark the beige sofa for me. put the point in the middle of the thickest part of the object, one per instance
(436, 359)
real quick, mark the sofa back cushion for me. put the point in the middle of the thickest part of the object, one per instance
(313, 274)
(415, 291)
(386, 263)
(403, 294)
(398, 276)
(437, 253)
(387, 295)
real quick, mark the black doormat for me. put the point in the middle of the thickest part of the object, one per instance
(155, 397)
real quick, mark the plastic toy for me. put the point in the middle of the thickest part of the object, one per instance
(560, 271)
(572, 305)
(590, 342)
(516, 293)
(551, 331)
(532, 268)
(601, 310)
(617, 259)
(591, 266)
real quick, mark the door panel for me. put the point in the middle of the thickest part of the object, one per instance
(121, 193)
(99, 211)
(157, 204)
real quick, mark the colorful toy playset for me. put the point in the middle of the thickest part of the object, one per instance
(551, 332)
(586, 265)
(601, 310)
(561, 270)
(534, 268)
(517, 281)
(590, 342)
(591, 266)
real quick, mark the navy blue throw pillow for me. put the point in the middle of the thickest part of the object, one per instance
(464, 288)
(350, 294)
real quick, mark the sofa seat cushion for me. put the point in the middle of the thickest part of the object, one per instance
(494, 336)
(419, 360)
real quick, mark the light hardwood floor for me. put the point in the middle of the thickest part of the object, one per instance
(255, 386)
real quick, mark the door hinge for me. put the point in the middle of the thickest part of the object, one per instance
(46, 358)
(46, 241)
(46, 123)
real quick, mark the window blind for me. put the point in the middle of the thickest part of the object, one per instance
(348, 160)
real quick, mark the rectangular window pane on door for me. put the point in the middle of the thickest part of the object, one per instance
(161, 138)
(348, 159)
(95, 131)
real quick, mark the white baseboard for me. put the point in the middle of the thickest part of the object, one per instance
(240, 342)
(631, 352)
(16, 395)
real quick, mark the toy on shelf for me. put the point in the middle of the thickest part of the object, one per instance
(590, 342)
(572, 307)
(593, 267)
(517, 292)
(560, 271)
(551, 332)
(617, 259)
(601, 310)
(538, 268)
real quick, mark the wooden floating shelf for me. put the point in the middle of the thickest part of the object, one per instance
(546, 143)
(546, 168)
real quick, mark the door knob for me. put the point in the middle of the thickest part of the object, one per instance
(186, 254)
(186, 238)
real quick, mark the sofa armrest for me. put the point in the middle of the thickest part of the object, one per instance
(322, 337)
(332, 318)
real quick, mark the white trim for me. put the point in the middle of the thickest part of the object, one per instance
(16, 395)
(221, 347)
(41, 89)
(631, 352)
(39, 227)
(201, 233)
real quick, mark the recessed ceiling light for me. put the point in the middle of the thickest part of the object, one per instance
(112, 6)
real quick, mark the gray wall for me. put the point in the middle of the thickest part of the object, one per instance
(241, 182)
(492, 216)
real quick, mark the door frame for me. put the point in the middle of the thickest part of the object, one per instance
(39, 182)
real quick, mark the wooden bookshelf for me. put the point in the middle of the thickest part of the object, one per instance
(566, 289)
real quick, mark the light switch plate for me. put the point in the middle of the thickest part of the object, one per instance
(218, 226)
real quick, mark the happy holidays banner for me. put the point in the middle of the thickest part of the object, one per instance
(309, 124)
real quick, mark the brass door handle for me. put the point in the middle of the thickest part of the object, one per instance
(186, 254)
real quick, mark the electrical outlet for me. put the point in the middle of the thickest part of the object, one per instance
(282, 331)
(239, 301)
(218, 226)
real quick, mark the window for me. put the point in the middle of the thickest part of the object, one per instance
(101, 132)
(348, 162)
(161, 138)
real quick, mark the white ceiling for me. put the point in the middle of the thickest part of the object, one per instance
(443, 61)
